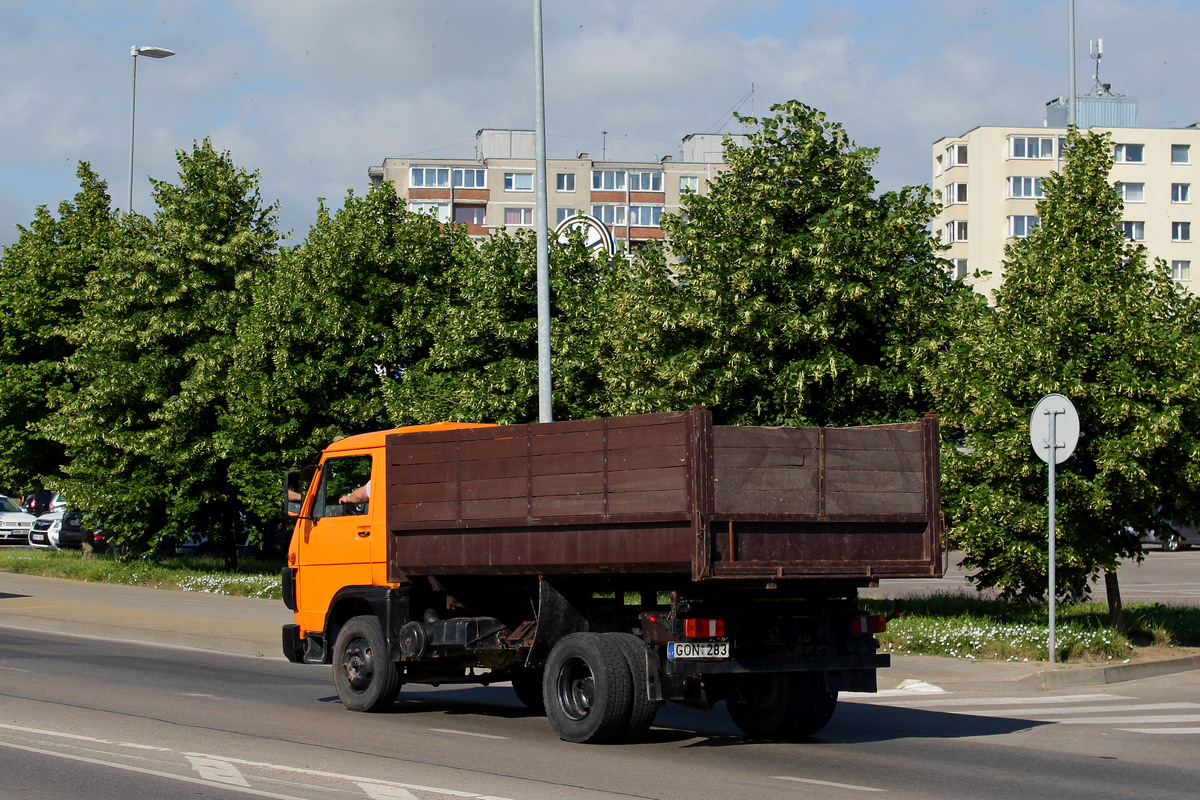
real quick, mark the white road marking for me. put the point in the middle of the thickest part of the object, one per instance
(829, 783)
(943, 702)
(1174, 718)
(1166, 731)
(383, 791)
(143, 771)
(214, 770)
(469, 733)
(1093, 709)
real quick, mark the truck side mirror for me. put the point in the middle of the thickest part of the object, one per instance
(295, 487)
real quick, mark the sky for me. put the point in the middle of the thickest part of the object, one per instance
(310, 94)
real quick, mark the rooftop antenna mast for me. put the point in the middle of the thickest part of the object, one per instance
(1096, 48)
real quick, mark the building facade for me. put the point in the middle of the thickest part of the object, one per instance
(495, 189)
(990, 180)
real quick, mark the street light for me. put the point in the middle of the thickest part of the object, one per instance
(135, 51)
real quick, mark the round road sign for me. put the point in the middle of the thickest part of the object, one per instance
(1066, 428)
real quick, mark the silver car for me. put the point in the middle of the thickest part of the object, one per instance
(1182, 537)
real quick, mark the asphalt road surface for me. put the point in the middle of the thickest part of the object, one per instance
(85, 717)
(1162, 577)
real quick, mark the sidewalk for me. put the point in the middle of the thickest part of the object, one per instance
(252, 627)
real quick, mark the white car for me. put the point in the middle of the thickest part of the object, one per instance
(14, 523)
(56, 529)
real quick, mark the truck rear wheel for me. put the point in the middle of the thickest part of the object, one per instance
(782, 704)
(642, 709)
(587, 688)
(365, 677)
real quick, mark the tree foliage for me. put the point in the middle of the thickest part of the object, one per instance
(1081, 313)
(43, 275)
(154, 350)
(330, 330)
(796, 295)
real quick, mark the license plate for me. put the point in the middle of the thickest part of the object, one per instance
(37, 537)
(685, 650)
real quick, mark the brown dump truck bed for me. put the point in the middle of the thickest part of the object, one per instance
(666, 493)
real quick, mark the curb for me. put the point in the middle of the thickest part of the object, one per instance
(1117, 673)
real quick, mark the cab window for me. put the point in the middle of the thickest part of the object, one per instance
(341, 477)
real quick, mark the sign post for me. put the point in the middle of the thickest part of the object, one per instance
(1053, 432)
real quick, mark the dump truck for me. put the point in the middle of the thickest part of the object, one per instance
(604, 567)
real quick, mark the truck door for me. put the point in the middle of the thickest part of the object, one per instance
(336, 544)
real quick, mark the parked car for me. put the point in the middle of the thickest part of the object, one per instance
(1182, 537)
(57, 529)
(14, 523)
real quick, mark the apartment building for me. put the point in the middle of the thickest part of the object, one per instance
(990, 180)
(495, 188)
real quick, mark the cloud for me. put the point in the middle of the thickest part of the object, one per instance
(312, 93)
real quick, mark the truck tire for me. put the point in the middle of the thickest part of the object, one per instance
(365, 677)
(642, 710)
(587, 688)
(782, 705)
(527, 683)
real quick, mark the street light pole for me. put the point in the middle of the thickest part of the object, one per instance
(135, 51)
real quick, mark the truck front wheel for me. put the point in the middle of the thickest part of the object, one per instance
(587, 688)
(365, 677)
(782, 705)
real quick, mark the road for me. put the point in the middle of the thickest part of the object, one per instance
(1171, 578)
(91, 718)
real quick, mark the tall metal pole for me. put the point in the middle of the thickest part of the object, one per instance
(132, 107)
(135, 51)
(545, 401)
(1071, 66)
(1053, 458)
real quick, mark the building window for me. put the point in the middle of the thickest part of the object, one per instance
(564, 214)
(608, 180)
(1134, 231)
(471, 215)
(645, 216)
(431, 177)
(1031, 147)
(956, 155)
(956, 231)
(956, 193)
(1024, 187)
(470, 179)
(1132, 192)
(1181, 270)
(1021, 226)
(609, 215)
(518, 216)
(645, 181)
(689, 183)
(518, 181)
(1181, 231)
(565, 182)
(959, 269)
(1181, 193)
(1181, 154)
(439, 211)
(1131, 154)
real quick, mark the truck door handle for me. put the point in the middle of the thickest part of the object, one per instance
(364, 532)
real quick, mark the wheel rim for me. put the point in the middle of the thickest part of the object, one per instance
(576, 689)
(358, 664)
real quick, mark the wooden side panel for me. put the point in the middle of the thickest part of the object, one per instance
(766, 470)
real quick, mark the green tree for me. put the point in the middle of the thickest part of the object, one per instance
(1081, 313)
(42, 277)
(330, 330)
(796, 296)
(483, 363)
(153, 357)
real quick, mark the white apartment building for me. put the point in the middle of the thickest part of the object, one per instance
(496, 188)
(990, 179)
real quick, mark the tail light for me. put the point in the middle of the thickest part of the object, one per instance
(871, 623)
(704, 628)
